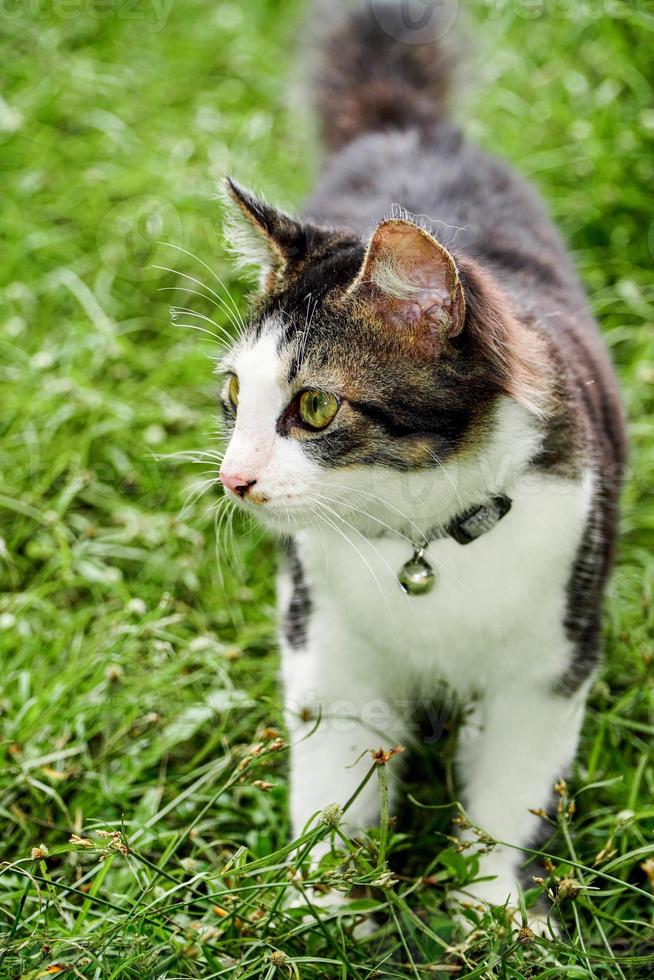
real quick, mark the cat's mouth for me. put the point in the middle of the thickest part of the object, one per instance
(279, 516)
(288, 514)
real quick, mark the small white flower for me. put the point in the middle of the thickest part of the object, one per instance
(200, 643)
(332, 815)
(42, 360)
(15, 326)
(154, 435)
(137, 607)
(11, 119)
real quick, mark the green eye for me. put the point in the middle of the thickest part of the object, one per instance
(232, 391)
(318, 408)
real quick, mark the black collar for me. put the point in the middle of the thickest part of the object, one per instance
(476, 521)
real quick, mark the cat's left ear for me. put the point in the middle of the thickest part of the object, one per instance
(263, 237)
(410, 282)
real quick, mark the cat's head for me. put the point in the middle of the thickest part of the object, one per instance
(365, 371)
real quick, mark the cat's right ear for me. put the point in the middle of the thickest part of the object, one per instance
(262, 237)
(410, 283)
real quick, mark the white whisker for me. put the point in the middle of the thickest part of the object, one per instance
(195, 492)
(214, 274)
(185, 275)
(335, 513)
(436, 458)
(382, 500)
(209, 333)
(425, 540)
(363, 558)
(201, 316)
(191, 456)
(235, 322)
(372, 517)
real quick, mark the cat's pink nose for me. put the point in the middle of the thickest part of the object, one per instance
(236, 483)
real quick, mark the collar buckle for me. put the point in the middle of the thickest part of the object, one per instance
(479, 520)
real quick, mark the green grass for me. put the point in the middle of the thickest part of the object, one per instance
(135, 677)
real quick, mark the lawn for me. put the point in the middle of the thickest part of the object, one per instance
(142, 770)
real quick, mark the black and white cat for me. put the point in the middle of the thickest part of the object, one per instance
(424, 399)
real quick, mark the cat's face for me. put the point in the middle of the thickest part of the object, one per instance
(354, 382)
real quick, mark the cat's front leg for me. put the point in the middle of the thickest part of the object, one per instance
(335, 717)
(519, 742)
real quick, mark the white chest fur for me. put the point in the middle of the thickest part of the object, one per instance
(497, 607)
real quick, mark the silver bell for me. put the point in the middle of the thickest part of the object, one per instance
(417, 577)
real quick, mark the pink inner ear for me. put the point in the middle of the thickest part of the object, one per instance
(412, 312)
(428, 304)
(416, 280)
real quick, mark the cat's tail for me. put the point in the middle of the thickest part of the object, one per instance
(386, 65)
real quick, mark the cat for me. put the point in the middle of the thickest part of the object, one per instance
(421, 408)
